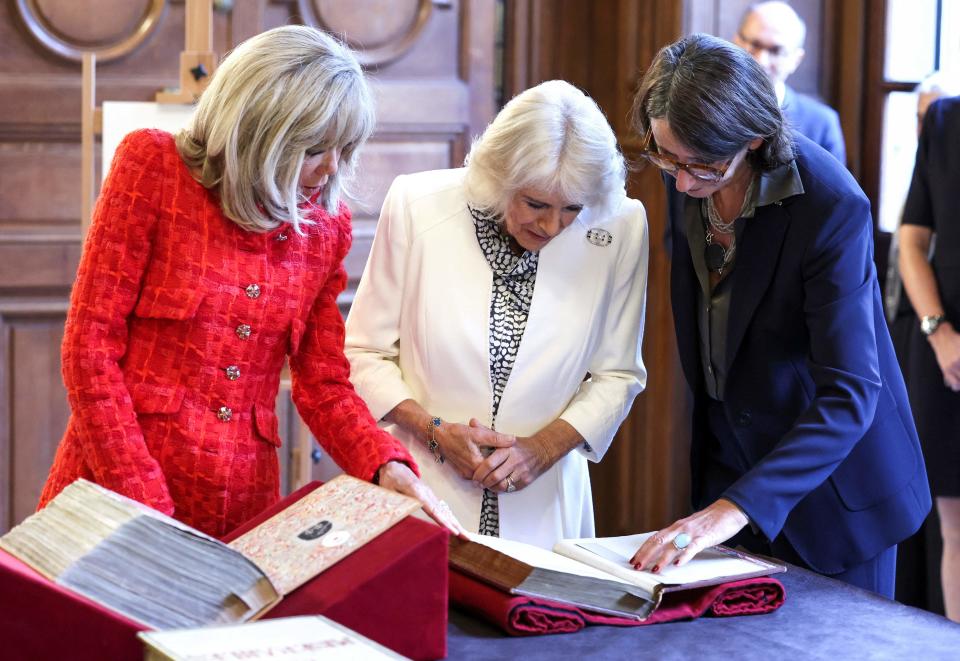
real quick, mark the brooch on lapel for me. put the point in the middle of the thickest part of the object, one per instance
(599, 237)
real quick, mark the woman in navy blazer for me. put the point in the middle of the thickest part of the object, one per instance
(803, 443)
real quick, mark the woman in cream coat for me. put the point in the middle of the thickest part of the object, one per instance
(509, 295)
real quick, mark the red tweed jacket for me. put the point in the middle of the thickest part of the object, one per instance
(178, 328)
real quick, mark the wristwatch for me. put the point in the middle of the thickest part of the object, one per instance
(930, 323)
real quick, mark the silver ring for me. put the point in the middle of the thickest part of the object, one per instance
(443, 505)
(511, 487)
(682, 541)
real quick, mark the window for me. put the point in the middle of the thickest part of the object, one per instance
(918, 42)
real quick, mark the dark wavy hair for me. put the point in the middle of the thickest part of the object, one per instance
(716, 100)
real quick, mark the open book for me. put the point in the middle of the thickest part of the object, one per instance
(290, 638)
(164, 574)
(595, 573)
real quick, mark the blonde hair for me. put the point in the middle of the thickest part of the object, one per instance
(275, 96)
(552, 138)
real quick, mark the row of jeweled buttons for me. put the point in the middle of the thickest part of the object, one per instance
(225, 413)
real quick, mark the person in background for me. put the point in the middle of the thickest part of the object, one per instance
(932, 283)
(509, 294)
(899, 311)
(214, 256)
(803, 445)
(774, 34)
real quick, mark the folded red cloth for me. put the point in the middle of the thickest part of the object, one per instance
(531, 616)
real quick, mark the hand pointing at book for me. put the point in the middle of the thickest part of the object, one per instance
(708, 527)
(398, 477)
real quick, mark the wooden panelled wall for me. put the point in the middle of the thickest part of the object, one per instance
(432, 67)
(603, 47)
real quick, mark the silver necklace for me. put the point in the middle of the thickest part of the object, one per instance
(715, 221)
(713, 216)
(715, 255)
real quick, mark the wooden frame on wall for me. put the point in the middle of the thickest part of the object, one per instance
(55, 41)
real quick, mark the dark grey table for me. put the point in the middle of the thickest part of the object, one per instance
(820, 619)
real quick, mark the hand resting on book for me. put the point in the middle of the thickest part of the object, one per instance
(710, 526)
(398, 477)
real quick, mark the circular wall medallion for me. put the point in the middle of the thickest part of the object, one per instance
(70, 29)
(378, 30)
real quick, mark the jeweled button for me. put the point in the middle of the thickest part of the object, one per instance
(233, 372)
(253, 291)
(243, 331)
(225, 413)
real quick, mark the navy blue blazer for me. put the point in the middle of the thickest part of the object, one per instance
(814, 395)
(815, 120)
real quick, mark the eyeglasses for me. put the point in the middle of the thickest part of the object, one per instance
(754, 46)
(709, 173)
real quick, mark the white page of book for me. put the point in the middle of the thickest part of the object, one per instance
(293, 639)
(542, 558)
(708, 564)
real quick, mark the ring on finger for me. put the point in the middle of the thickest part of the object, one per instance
(511, 487)
(682, 541)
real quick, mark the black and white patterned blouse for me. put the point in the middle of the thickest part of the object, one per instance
(513, 280)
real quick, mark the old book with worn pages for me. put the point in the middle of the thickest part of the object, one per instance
(595, 573)
(164, 574)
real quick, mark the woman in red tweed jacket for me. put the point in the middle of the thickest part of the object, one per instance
(211, 258)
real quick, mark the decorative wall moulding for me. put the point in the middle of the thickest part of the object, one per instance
(69, 29)
(380, 33)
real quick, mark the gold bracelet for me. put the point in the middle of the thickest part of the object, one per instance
(432, 444)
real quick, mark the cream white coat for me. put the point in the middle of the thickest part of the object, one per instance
(418, 329)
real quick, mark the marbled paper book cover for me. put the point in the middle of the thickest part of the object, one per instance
(322, 528)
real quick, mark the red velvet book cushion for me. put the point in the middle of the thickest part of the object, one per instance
(529, 616)
(41, 620)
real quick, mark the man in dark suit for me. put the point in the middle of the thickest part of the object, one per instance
(803, 443)
(773, 34)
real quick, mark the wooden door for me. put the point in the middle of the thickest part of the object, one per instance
(432, 66)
